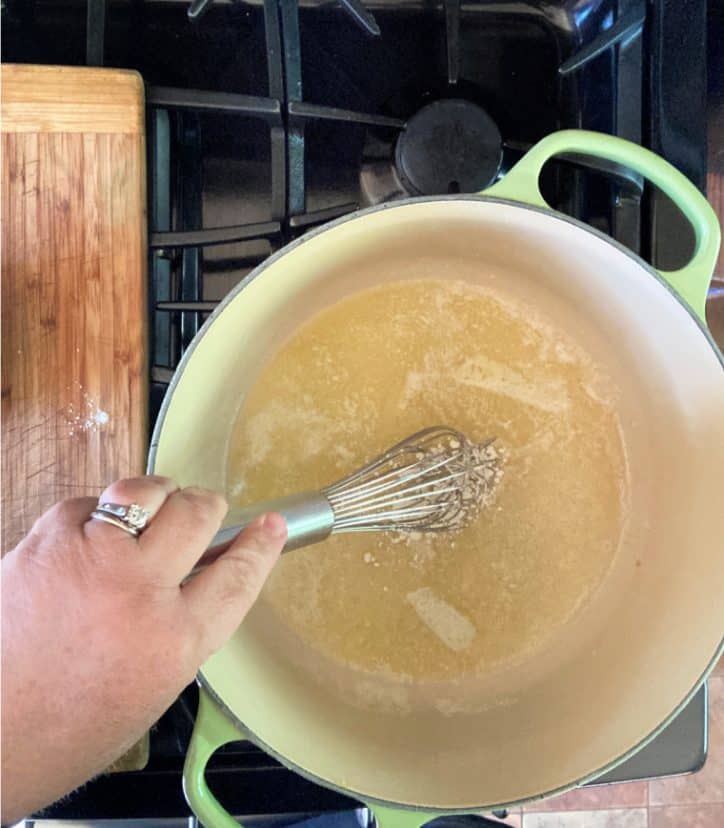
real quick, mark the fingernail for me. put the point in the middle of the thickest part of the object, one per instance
(274, 524)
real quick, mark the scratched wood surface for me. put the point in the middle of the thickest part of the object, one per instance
(74, 303)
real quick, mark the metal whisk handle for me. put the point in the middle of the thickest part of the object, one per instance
(309, 518)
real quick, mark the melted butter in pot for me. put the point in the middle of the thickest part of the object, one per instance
(387, 362)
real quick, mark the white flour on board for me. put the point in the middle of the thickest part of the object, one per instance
(88, 417)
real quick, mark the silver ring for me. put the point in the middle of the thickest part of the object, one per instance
(132, 518)
(114, 521)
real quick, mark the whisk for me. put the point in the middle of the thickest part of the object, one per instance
(434, 481)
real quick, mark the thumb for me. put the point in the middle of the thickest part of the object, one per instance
(224, 592)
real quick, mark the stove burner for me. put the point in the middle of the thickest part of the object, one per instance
(448, 146)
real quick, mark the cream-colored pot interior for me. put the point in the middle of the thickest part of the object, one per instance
(641, 646)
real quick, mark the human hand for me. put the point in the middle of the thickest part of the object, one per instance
(99, 635)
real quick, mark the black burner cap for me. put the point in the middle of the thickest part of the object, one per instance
(448, 146)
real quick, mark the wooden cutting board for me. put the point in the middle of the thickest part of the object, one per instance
(74, 301)
(74, 295)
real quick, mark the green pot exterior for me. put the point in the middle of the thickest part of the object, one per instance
(691, 283)
(214, 727)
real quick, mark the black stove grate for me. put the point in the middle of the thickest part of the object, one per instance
(591, 54)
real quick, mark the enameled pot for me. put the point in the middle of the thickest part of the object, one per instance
(648, 638)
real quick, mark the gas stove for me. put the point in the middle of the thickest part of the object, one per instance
(267, 118)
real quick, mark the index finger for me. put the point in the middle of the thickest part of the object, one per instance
(182, 530)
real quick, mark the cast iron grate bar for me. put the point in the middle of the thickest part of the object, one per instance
(95, 32)
(676, 126)
(199, 100)
(189, 186)
(300, 111)
(625, 202)
(188, 306)
(628, 26)
(214, 235)
(235, 263)
(361, 16)
(296, 180)
(452, 36)
(275, 72)
(190, 239)
(162, 332)
(273, 39)
(161, 374)
(316, 217)
(278, 159)
(197, 9)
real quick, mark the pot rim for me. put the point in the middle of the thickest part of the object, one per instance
(231, 296)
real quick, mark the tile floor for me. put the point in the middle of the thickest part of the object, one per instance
(695, 801)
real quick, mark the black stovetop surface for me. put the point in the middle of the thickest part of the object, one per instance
(266, 119)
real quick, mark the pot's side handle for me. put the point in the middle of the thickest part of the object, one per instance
(212, 730)
(388, 817)
(690, 282)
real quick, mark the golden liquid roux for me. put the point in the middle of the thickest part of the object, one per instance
(389, 361)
